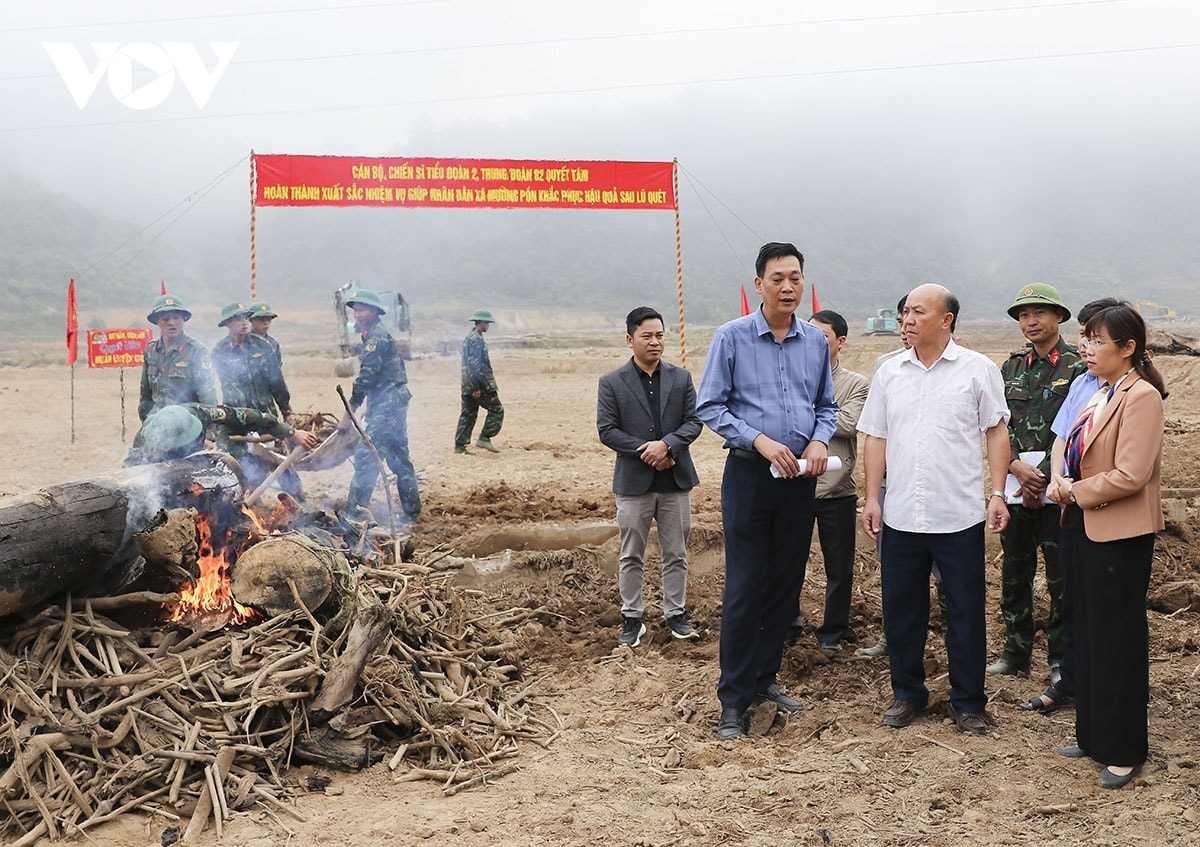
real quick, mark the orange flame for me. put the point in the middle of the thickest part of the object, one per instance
(209, 599)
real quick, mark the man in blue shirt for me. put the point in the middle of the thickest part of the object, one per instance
(767, 390)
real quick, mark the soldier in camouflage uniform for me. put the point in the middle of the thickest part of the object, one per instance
(261, 315)
(478, 389)
(251, 379)
(248, 366)
(1036, 381)
(175, 368)
(175, 431)
(382, 383)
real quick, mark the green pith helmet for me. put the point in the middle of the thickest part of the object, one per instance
(232, 309)
(367, 297)
(170, 428)
(262, 309)
(168, 303)
(482, 315)
(1038, 294)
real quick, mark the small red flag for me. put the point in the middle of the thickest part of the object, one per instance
(816, 302)
(72, 326)
(162, 284)
(745, 303)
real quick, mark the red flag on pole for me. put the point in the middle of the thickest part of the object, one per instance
(745, 303)
(162, 284)
(816, 303)
(72, 326)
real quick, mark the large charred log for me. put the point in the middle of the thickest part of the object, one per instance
(75, 535)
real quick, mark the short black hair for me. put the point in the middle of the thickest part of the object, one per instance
(900, 304)
(773, 250)
(1087, 310)
(639, 316)
(832, 320)
(952, 307)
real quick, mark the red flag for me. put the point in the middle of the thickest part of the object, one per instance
(162, 284)
(816, 302)
(72, 326)
(745, 303)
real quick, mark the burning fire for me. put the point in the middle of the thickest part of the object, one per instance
(208, 601)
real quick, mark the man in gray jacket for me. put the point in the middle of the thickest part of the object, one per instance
(646, 412)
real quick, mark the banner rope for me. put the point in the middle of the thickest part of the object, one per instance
(253, 224)
(679, 264)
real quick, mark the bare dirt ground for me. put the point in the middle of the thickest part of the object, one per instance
(637, 762)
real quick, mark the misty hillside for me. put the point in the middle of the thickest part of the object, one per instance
(47, 238)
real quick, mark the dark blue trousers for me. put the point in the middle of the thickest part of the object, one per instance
(908, 559)
(768, 528)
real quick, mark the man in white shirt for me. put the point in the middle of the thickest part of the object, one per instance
(923, 419)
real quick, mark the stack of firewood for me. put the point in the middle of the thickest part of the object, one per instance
(100, 718)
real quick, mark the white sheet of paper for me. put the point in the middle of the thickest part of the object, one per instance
(835, 464)
(1012, 488)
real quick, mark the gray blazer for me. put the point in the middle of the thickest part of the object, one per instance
(625, 422)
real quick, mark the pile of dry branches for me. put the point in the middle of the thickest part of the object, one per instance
(99, 719)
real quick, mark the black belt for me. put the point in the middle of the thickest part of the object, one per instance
(748, 455)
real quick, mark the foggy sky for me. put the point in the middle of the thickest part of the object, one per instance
(887, 139)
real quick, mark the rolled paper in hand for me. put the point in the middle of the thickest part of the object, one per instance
(835, 464)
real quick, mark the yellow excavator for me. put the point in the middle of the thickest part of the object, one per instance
(1152, 311)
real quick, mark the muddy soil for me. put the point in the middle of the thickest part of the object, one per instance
(637, 762)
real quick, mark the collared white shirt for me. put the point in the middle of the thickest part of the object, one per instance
(934, 419)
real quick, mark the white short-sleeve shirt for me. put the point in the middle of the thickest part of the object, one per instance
(934, 419)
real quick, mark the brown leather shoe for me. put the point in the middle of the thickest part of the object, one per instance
(901, 713)
(969, 723)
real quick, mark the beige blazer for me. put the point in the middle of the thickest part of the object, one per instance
(1121, 466)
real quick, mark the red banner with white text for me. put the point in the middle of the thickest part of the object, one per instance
(117, 348)
(286, 180)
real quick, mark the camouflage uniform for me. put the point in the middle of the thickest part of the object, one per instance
(222, 421)
(171, 377)
(477, 376)
(383, 383)
(251, 377)
(1035, 388)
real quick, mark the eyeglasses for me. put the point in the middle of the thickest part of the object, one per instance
(1089, 343)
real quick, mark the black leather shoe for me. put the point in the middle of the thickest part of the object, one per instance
(1108, 779)
(783, 702)
(730, 724)
(901, 713)
(969, 723)
(1072, 752)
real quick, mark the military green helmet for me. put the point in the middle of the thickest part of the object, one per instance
(366, 297)
(170, 428)
(261, 309)
(482, 315)
(232, 309)
(167, 303)
(1038, 294)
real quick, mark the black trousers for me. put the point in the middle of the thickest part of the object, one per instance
(768, 528)
(1112, 649)
(837, 526)
(908, 559)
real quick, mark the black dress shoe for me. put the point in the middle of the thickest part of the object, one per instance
(1108, 779)
(901, 713)
(730, 724)
(783, 702)
(1072, 752)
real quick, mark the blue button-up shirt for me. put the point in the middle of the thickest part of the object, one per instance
(1081, 390)
(754, 384)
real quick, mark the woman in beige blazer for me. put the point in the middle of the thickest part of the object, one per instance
(1110, 487)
